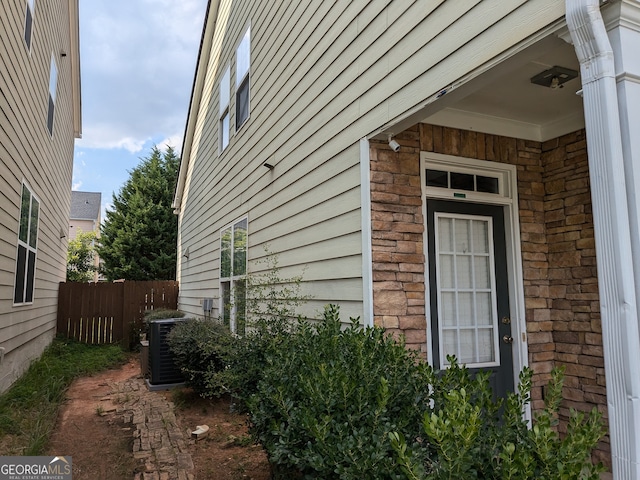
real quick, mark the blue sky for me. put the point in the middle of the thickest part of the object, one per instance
(137, 63)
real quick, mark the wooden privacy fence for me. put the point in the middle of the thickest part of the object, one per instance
(100, 313)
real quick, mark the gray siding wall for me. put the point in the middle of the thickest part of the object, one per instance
(28, 153)
(323, 75)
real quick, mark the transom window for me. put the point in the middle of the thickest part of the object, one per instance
(233, 271)
(27, 248)
(462, 181)
(225, 93)
(243, 66)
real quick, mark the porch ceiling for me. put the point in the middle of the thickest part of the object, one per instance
(511, 105)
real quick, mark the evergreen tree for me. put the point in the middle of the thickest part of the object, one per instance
(81, 257)
(139, 235)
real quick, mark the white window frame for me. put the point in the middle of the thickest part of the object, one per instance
(53, 86)
(225, 112)
(29, 243)
(243, 69)
(233, 278)
(28, 23)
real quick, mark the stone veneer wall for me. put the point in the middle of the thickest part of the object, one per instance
(574, 310)
(558, 252)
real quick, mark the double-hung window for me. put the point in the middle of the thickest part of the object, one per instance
(243, 65)
(233, 271)
(28, 23)
(225, 94)
(27, 248)
(53, 84)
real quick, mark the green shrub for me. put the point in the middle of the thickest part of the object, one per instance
(473, 436)
(328, 398)
(353, 403)
(270, 296)
(272, 303)
(201, 350)
(266, 337)
(161, 314)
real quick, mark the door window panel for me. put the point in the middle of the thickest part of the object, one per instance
(484, 315)
(466, 290)
(482, 273)
(461, 239)
(465, 309)
(444, 235)
(448, 309)
(446, 272)
(467, 346)
(463, 271)
(485, 345)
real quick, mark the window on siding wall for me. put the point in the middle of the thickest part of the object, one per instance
(53, 83)
(28, 23)
(233, 271)
(243, 65)
(225, 95)
(27, 248)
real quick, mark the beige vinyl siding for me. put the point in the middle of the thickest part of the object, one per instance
(85, 225)
(323, 75)
(29, 153)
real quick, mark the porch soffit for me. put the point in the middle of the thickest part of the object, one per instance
(511, 105)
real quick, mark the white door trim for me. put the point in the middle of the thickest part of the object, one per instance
(507, 197)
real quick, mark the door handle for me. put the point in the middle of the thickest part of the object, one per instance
(507, 339)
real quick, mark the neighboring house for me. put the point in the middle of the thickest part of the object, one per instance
(428, 164)
(84, 216)
(39, 119)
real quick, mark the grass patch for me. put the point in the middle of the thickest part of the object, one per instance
(28, 410)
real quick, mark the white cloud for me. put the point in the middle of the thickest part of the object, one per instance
(174, 141)
(105, 137)
(76, 185)
(138, 62)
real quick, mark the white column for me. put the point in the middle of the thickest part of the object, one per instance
(623, 25)
(611, 214)
(624, 35)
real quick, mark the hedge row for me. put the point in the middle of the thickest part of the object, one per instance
(329, 401)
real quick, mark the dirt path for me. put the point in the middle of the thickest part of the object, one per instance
(101, 444)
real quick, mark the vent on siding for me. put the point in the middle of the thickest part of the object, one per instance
(163, 368)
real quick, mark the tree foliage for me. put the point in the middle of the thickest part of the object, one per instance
(139, 235)
(81, 257)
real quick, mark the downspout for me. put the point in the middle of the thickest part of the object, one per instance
(619, 315)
